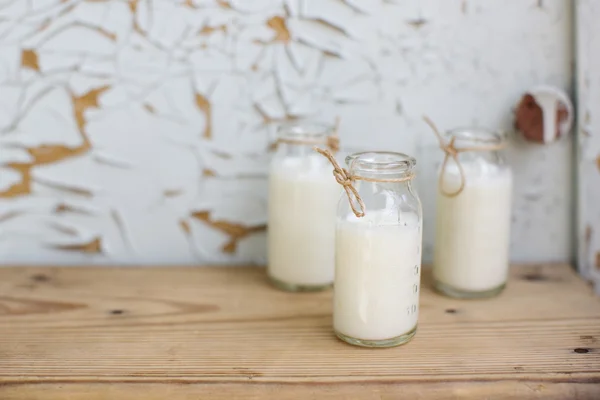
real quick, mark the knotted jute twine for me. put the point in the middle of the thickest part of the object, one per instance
(451, 151)
(332, 141)
(344, 178)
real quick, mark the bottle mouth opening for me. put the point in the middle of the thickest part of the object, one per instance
(380, 163)
(475, 136)
(309, 130)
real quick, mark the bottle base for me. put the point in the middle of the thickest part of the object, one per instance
(450, 291)
(392, 342)
(292, 287)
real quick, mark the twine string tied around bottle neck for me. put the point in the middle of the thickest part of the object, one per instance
(451, 151)
(346, 179)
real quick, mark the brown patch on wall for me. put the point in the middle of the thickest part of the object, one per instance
(149, 108)
(598, 260)
(62, 208)
(93, 247)
(85, 101)
(133, 4)
(277, 23)
(233, 230)
(207, 30)
(47, 154)
(29, 59)
(209, 173)
(43, 154)
(172, 193)
(230, 247)
(185, 226)
(417, 23)
(223, 3)
(204, 105)
(598, 162)
(65, 208)
(22, 187)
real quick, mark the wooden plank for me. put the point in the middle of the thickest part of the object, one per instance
(174, 333)
(588, 138)
(504, 390)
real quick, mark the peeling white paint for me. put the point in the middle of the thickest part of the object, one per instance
(14, 155)
(192, 92)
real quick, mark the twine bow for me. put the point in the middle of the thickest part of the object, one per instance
(346, 179)
(451, 151)
(343, 177)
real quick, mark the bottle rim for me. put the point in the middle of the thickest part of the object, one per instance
(380, 163)
(472, 136)
(304, 129)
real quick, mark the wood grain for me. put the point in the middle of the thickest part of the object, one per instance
(182, 333)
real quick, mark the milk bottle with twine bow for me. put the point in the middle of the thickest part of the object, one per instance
(471, 252)
(302, 203)
(377, 249)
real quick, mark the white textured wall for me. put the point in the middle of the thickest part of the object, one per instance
(588, 134)
(136, 131)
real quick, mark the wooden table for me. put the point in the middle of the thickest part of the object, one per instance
(200, 333)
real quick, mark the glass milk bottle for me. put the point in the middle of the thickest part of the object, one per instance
(471, 255)
(378, 255)
(302, 203)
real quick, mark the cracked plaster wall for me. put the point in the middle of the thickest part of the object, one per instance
(137, 131)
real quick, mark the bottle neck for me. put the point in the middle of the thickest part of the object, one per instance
(296, 149)
(303, 135)
(475, 157)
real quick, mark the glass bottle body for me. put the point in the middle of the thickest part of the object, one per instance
(471, 255)
(302, 200)
(378, 256)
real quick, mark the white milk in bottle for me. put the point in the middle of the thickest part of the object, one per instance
(471, 255)
(377, 276)
(303, 196)
(378, 252)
